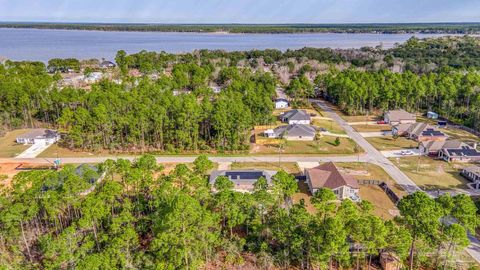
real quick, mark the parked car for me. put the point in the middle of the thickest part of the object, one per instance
(381, 122)
(406, 152)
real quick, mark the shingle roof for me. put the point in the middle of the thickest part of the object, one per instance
(242, 176)
(438, 145)
(296, 115)
(39, 133)
(327, 175)
(295, 130)
(281, 100)
(473, 169)
(397, 115)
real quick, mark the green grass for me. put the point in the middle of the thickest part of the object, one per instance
(324, 146)
(329, 125)
(459, 134)
(388, 143)
(8, 146)
(290, 167)
(431, 173)
(371, 128)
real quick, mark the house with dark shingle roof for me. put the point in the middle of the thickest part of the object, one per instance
(419, 132)
(456, 151)
(281, 103)
(472, 173)
(243, 180)
(296, 117)
(328, 175)
(295, 132)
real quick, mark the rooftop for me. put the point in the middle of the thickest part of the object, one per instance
(327, 175)
(296, 115)
(295, 130)
(39, 133)
(397, 115)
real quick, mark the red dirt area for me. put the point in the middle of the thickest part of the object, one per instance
(9, 170)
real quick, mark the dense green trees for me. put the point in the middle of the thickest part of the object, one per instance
(138, 217)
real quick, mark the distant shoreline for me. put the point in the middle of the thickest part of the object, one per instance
(414, 28)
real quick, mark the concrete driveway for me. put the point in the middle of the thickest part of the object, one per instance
(398, 153)
(34, 150)
(375, 134)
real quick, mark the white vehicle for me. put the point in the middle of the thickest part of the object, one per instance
(406, 153)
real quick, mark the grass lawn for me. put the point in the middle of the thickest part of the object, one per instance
(323, 146)
(290, 167)
(304, 194)
(329, 125)
(432, 174)
(388, 143)
(371, 128)
(383, 206)
(56, 150)
(8, 146)
(459, 134)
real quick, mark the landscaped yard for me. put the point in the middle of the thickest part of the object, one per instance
(429, 173)
(388, 143)
(324, 145)
(290, 167)
(8, 147)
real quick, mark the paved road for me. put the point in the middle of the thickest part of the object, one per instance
(373, 155)
(186, 159)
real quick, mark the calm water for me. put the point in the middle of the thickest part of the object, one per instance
(41, 45)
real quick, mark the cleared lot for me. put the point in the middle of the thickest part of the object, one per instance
(389, 143)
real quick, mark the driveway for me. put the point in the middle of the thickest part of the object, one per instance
(375, 134)
(34, 150)
(373, 155)
(398, 153)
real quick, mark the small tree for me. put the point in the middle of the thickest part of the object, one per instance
(337, 141)
(202, 164)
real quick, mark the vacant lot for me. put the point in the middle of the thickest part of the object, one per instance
(323, 146)
(329, 125)
(383, 206)
(432, 174)
(290, 167)
(56, 150)
(8, 147)
(389, 143)
(371, 128)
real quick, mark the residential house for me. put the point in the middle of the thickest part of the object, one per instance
(295, 132)
(107, 64)
(328, 175)
(281, 103)
(432, 115)
(459, 152)
(472, 173)
(395, 117)
(38, 135)
(419, 132)
(296, 117)
(243, 180)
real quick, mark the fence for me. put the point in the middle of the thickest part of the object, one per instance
(384, 186)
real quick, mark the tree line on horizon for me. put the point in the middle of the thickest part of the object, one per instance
(139, 217)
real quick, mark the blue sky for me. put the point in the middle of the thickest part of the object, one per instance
(241, 11)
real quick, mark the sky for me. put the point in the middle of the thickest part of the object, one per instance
(241, 11)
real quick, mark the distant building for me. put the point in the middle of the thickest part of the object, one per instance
(93, 77)
(432, 115)
(243, 180)
(107, 64)
(295, 132)
(327, 175)
(296, 117)
(281, 103)
(395, 117)
(419, 132)
(39, 135)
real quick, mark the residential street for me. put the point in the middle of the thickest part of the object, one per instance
(373, 155)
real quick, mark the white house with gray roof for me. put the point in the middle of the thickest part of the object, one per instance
(296, 117)
(38, 135)
(295, 132)
(243, 180)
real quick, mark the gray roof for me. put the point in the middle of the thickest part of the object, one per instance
(39, 133)
(281, 99)
(397, 115)
(473, 169)
(242, 176)
(295, 130)
(296, 115)
(438, 145)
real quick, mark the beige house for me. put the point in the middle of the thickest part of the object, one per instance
(327, 175)
(419, 132)
(395, 117)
